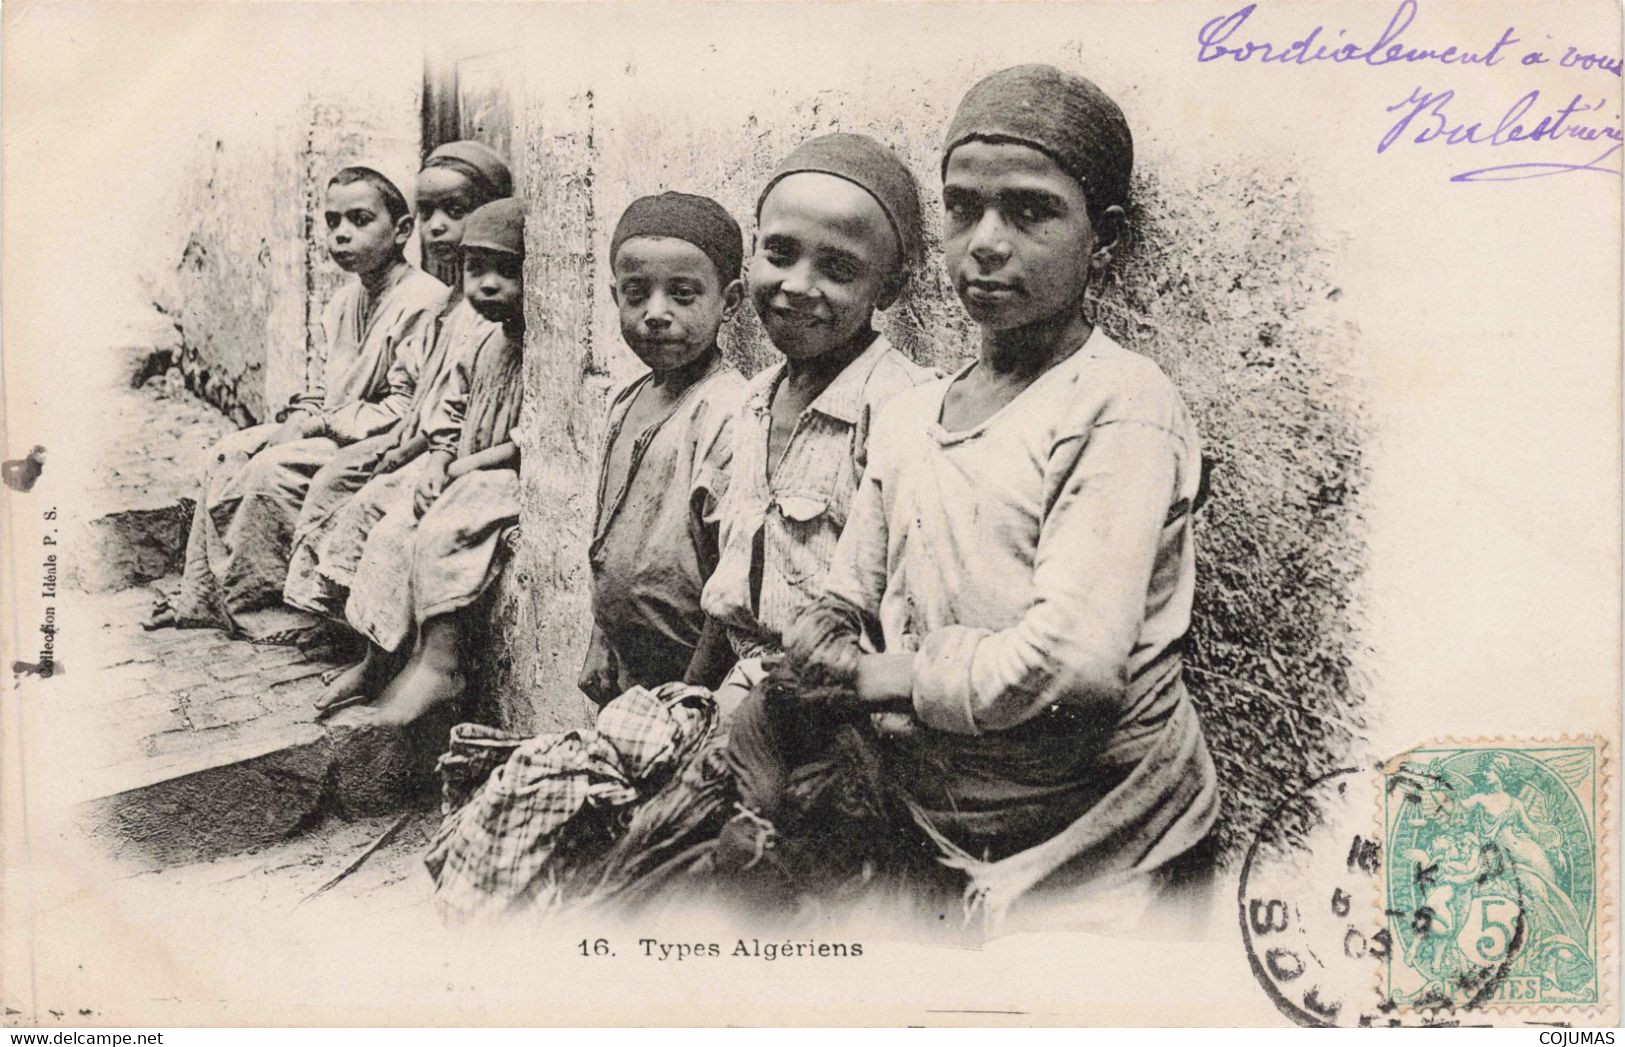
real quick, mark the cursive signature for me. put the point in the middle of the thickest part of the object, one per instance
(1215, 40)
(1426, 117)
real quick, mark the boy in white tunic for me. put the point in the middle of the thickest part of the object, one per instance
(1020, 549)
(256, 480)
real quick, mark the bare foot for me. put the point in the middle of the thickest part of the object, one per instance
(355, 716)
(426, 684)
(162, 616)
(352, 683)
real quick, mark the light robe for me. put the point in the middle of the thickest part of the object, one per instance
(242, 528)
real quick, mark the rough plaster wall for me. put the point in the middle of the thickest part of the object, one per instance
(1225, 284)
(252, 274)
(238, 280)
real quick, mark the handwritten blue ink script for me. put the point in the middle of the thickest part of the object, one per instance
(1438, 115)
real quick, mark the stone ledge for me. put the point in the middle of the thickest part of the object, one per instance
(208, 805)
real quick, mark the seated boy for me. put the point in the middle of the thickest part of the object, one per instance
(438, 548)
(348, 494)
(837, 231)
(675, 259)
(1020, 548)
(256, 479)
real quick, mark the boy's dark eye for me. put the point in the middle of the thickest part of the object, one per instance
(840, 271)
(332, 220)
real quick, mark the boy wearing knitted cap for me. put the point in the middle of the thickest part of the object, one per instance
(438, 547)
(1021, 543)
(348, 495)
(838, 230)
(255, 484)
(675, 262)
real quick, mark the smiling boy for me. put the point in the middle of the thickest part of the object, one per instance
(255, 483)
(675, 260)
(838, 231)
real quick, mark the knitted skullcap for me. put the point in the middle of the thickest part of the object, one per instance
(1060, 114)
(871, 167)
(498, 226)
(697, 219)
(397, 176)
(479, 162)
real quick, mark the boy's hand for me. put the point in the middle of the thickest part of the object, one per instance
(431, 483)
(391, 461)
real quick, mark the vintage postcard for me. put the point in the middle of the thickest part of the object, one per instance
(1099, 513)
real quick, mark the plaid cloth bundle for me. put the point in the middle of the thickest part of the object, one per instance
(506, 801)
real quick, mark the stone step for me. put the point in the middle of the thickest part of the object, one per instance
(192, 745)
(132, 518)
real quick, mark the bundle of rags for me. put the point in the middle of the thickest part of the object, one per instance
(835, 843)
(845, 836)
(520, 814)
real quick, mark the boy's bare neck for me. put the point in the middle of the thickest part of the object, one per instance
(677, 379)
(1022, 354)
(808, 378)
(375, 281)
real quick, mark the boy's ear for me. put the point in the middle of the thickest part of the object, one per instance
(732, 296)
(1111, 227)
(403, 230)
(614, 292)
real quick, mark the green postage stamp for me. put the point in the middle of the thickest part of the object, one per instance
(1493, 880)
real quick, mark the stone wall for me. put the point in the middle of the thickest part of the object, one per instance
(250, 273)
(1227, 284)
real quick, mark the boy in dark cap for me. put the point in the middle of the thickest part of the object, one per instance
(675, 259)
(1021, 543)
(838, 232)
(438, 547)
(349, 494)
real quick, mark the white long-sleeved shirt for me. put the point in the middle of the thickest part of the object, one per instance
(1040, 559)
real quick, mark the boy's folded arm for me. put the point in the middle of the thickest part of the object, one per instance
(402, 453)
(355, 422)
(358, 421)
(497, 456)
(1095, 557)
(445, 422)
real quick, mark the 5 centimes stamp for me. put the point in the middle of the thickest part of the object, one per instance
(1492, 876)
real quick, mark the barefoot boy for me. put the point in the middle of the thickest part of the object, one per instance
(348, 495)
(675, 259)
(437, 549)
(838, 229)
(1021, 542)
(256, 480)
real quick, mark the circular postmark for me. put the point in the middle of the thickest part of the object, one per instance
(1328, 912)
